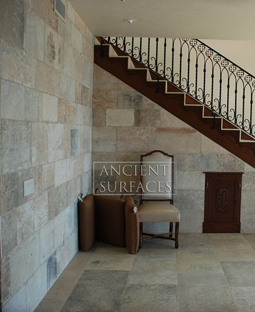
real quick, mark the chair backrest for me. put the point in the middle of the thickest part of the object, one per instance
(157, 176)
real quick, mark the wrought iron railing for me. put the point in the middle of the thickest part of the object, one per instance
(197, 69)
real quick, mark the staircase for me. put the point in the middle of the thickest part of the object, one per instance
(227, 122)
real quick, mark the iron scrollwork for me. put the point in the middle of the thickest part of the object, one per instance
(194, 67)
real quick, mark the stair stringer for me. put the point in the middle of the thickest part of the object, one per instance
(175, 101)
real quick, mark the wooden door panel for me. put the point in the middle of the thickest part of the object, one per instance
(222, 202)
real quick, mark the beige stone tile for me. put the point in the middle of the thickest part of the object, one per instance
(18, 300)
(231, 163)
(46, 240)
(47, 79)
(99, 117)
(248, 181)
(31, 3)
(60, 172)
(198, 260)
(248, 222)
(184, 162)
(41, 9)
(9, 231)
(12, 22)
(48, 176)
(201, 291)
(37, 285)
(151, 272)
(54, 305)
(25, 221)
(134, 139)
(88, 50)
(232, 248)
(174, 140)
(105, 81)
(190, 180)
(248, 168)
(34, 34)
(50, 108)
(12, 101)
(80, 25)
(119, 117)
(190, 241)
(159, 298)
(40, 208)
(67, 88)
(71, 12)
(84, 115)
(58, 142)
(53, 48)
(244, 298)
(147, 118)
(191, 222)
(116, 259)
(66, 112)
(169, 120)
(189, 201)
(17, 65)
(239, 273)
(247, 204)
(77, 93)
(104, 99)
(39, 143)
(131, 99)
(16, 137)
(207, 162)
(45, 10)
(208, 146)
(33, 105)
(104, 139)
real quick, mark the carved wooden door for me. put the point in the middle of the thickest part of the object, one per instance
(222, 202)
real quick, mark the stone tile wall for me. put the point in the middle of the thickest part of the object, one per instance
(46, 80)
(127, 124)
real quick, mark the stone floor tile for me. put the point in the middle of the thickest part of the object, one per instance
(153, 271)
(157, 249)
(239, 273)
(205, 292)
(244, 298)
(233, 248)
(97, 291)
(189, 241)
(117, 259)
(54, 305)
(250, 237)
(198, 260)
(151, 298)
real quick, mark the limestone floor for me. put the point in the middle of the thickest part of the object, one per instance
(209, 273)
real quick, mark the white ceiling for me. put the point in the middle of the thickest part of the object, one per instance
(203, 19)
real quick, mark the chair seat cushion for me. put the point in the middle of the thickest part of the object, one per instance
(158, 212)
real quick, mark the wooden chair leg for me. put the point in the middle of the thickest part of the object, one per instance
(171, 229)
(176, 234)
(141, 234)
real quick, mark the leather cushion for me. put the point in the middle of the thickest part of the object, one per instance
(86, 217)
(110, 220)
(132, 226)
(158, 212)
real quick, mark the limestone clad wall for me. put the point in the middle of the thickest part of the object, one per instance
(126, 124)
(46, 81)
